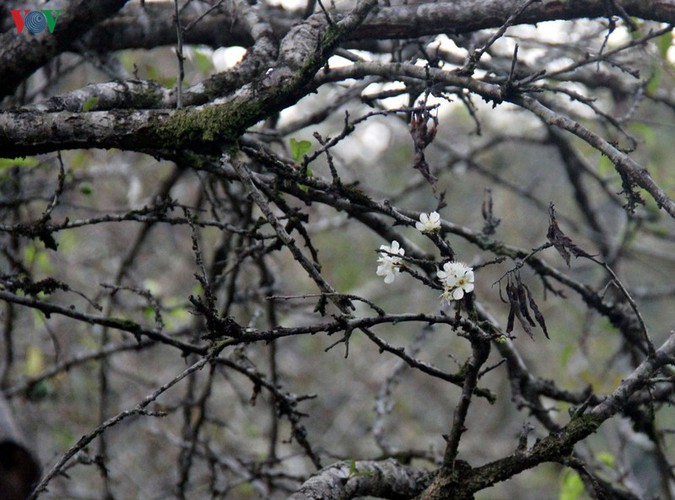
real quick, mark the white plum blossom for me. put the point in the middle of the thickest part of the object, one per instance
(429, 223)
(457, 279)
(389, 264)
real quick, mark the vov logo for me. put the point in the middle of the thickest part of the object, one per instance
(35, 21)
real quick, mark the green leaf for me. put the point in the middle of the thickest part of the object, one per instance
(153, 74)
(69, 241)
(202, 61)
(39, 391)
(166, 81)
(309, 173)
(636, 34)
(34, 255)
(35, 360)
(566, 354)
(148, 312)
(153, 286)
(606, 458)
(169, 82)
(299, 148)
(605, 166)
(180, 314)
(654, 81)
(6, 163)
(646, 131)
(86, 188)
(354, 472)
(663, 43)
(128, 60)
(572, 486)
(90, 104)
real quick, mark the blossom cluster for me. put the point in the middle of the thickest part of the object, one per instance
(389, 262)
(457, 278)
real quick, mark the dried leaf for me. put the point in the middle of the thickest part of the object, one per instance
(537, 313)
(509, 321)
(522, 301)
(525, 324)
(491, 222)
(519, 297)
(423, 130)
(512, 291)
(562, 243)
(514, 307)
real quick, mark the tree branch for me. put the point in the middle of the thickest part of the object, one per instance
(349, 479)
(22, 54)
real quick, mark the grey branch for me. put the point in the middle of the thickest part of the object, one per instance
(22, 55)
(347, 479)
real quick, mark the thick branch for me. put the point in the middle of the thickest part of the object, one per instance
(387, 479)
(208, 129)
(465, 16)
(23, 54)
(625, 165)
(556, 446)
(131, 28)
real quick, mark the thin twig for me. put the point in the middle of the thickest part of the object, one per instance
(88, 438)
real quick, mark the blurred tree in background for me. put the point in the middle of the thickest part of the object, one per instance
(261, 250)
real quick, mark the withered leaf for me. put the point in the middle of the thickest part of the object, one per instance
(491, 222)
(562, 243)
(509, 322)
(423, 131)
(501, 296)
(519, 298)
(526, 326)
(523, 303)
(516, 309)
(537, 313)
